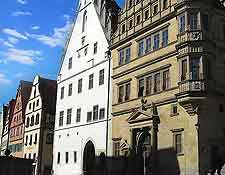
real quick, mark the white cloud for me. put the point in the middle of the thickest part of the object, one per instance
(22, 56)
(21, 13)
(56, 39)
(3, 79)
(8, 44)
(13, 40)
(35, 27)
(14, 33)
(22, 1)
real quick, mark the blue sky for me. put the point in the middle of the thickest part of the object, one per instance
(32, 36)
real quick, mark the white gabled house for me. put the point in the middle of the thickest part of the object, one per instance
(83, 109)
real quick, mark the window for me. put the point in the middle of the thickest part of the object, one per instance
(137, 1)
(70, 90)
(174, 110)
(166, 80)
(182, 24)
(85, 51)
(95, 112)
(37, 119)
(123, 28)
(69, 114)
(62, 93)
(84, 24)
(124, 58)
(130, 24)
(33, 105)
(28, 122)
(193, 21)
(58, 158)
(124, 92)
(89, 116)
(61, 114)
(30, 106)
(32, 121)
(149, 85)
(37, 104)
(70, 63)
(25, 156)
(138, 19)
(91, 79)
(178, 142)
(130, 3)
(29, 156)
(75, 156)
(30, 143)
(101, 77)
(83, 40)
(165, 4)
(157, 82)
(34, 156)
(148, 45)
(67, 157)
(195, 68)
(221, 109)
(116, 148)
(102, 113)
(95, 47)
(141, 48)
(184, 70)
(165, 38)
(205, 22)
(156, 42)
(26, 140)
(78, 115)
(35, 138)
(146, 14)
(155, 9)
(141, 88)
(80, 85)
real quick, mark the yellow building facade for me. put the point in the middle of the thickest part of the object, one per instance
(171, 53)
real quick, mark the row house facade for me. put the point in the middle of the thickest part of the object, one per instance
(170, 53)
(83, 102)
(39, 124)
(18, 119)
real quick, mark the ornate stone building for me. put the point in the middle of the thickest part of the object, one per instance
(39, 125)
(18, 119)
(170, 52)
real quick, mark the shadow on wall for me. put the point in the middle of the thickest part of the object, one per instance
(135, 165)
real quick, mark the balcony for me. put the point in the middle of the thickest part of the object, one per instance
(191, 86)
(196, 35)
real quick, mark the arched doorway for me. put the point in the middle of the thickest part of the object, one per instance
(89, 159)
(144, 153)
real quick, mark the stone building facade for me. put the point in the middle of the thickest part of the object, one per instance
(39, 125)
(169, 52)
(16, 134)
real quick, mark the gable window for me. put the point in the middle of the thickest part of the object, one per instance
(165, 38)
(101, 77)
(195, 68)
(182, 24)
(78, 115)
(95, 112)
(141, 48)
(156, 42)
(124, 92)
(138, 19)
(84, 24)
(37, 119)
(102, 113)
(61, 114)
(184, 70)
(58, 158)
(62, 93)
(89, 116)
(70, 63)
(91, 80)
(155, 9)
(69, 114)
(95, 47)
(193, 21)
(80, 85)
(141, 87)
(67, 157)
(165, 4)
(148, 45)
(70, 90)
(166, 80)
(157, 82)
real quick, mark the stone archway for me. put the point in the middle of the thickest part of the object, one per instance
(89, 159)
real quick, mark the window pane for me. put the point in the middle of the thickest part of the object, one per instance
(91, 79)
(95, 112)
(141, 88)
(79, 85)
(69, 114)
(102, 113)
(157, 82)
(184, 70)
(127, 91)
(101, 77)
(140, 48)
(148, 45)
(78, 115)
(121, 94)
(127, 55)
(178, 143)
(166, 80)
(62, 93)
(195, 68)
(148, 85)
(89, 116)
(156, 41)
(182, 24)
(121, 59)
(165, 38)
(70, 90)
(193, 21)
